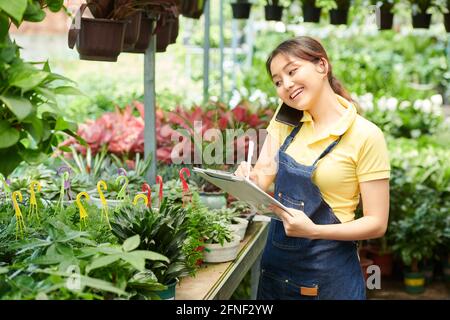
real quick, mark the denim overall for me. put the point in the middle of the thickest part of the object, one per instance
(301, 268)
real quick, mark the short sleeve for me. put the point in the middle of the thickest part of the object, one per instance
(373, 162)
(277, 130)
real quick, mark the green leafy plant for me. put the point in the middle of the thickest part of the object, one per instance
(27, 131)
(163, 231)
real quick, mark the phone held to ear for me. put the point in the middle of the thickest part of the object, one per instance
(288, 115)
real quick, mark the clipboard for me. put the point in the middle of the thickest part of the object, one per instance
(242, 189)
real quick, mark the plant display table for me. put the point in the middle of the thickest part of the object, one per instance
(219, 281)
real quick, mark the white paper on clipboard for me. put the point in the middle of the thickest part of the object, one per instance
(242, 189)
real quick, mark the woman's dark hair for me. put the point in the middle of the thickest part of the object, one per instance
(309, 49)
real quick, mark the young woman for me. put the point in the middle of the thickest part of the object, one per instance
(321, 155)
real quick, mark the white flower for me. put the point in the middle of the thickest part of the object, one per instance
(418, 104)
(391, 104)
(426, 106)
(235, 99)
(382, 104)
(436, 99)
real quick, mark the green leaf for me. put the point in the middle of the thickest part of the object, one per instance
(47, 93)
(33, 156)
(4, 25)
(35, 127)
(150, 255)
(21, 107)
(101, 262)
(68, 90)
(8, 136)
(62, 125)
(34, 13)
(134, 260)
(15, 8)
(28, 78)
(131, 243)
(49, 259)
(55, 5)
(100, 285)
(11, 159)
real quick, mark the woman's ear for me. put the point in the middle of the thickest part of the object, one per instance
(322, 66)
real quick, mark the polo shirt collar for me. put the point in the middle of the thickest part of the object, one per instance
(345, 121)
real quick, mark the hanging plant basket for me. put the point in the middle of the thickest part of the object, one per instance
(132, 31)
(447, 21)
(241, 10)
(145, 31)
(273, 13)
(163, 36)
(386, 18)
(192, 9)
(339, 16)
(311, 13)
(421, 20)
(96, 39)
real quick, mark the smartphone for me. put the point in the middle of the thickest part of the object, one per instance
(288, 115)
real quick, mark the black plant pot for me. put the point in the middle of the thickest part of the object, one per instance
(164, 37)
(339, 16)
(447, 21)
(421, 20)
(273, 13)
(311, 13)
(241, 10)
(386, 18)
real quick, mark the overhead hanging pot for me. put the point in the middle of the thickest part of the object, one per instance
(96, 39)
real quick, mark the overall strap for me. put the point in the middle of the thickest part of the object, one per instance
(327, 150)
(290, 137)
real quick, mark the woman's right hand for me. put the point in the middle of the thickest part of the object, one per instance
(246, 170)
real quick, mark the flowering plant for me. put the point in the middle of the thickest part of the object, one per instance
(403, 118)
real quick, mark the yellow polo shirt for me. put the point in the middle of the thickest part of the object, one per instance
(360, 156)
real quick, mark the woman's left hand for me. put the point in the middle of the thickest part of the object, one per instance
(297, 225)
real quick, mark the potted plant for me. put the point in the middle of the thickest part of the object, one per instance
(385, 16)
(381, 255)
(447, 17)
(311, 12)
(163, 231)
(339, 15)
(420, 17)
(273, 11)
(192, 8)
(235, 223)
(415, 238)
(220, 245)
(96, 39)
(241, 9)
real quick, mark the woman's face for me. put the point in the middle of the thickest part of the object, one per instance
(298, 82)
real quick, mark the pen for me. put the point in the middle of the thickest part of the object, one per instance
(249, 157)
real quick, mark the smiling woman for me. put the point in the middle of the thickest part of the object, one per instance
(325, 155)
